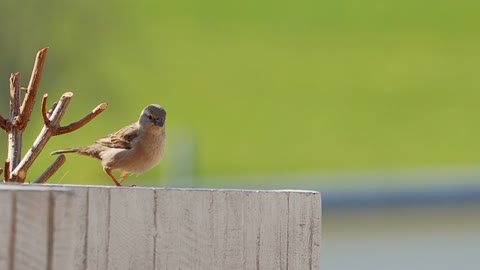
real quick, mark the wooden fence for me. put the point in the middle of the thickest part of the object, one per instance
(110, 228)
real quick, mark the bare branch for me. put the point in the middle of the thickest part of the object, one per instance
(7, 171)
(5, 124)
(76, 125)
(51, 170)
(43, 137)
(51, 128)
(16, 168)
(29, 100)
(15, 133)
(1, 171)
(45, 116)
(14, 97)
(49, 113)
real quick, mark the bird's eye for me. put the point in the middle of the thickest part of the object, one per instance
(150, 117)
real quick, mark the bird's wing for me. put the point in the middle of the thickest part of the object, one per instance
(121, 138)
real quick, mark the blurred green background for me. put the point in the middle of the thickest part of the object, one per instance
(257, 87)
(374, 103)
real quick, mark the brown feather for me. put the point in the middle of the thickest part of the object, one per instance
(121, 138)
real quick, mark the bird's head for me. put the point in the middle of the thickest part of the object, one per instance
(153, 116)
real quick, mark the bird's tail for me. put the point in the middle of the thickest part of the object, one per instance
(65, 151)
(86, 151)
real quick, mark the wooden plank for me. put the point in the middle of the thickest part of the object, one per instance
(273, 231)
(80, 229)
(36, 228)
(31, 233)
(7, 208)
(97, 238)
(92, 230)
(132, 229)
(61, 228)
(235, 230)
(118, 228)
(303, 231)
(175, 240)
(157, 228)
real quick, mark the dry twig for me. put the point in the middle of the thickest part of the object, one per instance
(51, 170)
(45, 114)
(52, 128)
(29, 100)
(16, 169)
(15, 133)
(54, 105)
(82, 122)
(42, 138)
(7, 170)
(4, 124)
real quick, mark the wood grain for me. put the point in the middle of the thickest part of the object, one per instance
(36, 228)
(202, 229)
(158, 228)
(14, 153)
(61, 229)
(7, 205)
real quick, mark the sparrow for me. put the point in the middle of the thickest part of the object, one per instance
(135, 148)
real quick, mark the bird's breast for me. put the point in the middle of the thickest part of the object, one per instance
(145, 153)
(150, 151)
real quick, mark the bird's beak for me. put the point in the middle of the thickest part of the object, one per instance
(160, 122)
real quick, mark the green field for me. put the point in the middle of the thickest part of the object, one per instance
(264, 87)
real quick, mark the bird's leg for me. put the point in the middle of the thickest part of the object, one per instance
(108, 171)
(123, 176)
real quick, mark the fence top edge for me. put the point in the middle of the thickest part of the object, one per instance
(32, 187)
(73, 187)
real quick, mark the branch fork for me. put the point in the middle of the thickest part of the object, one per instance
(16, 168)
